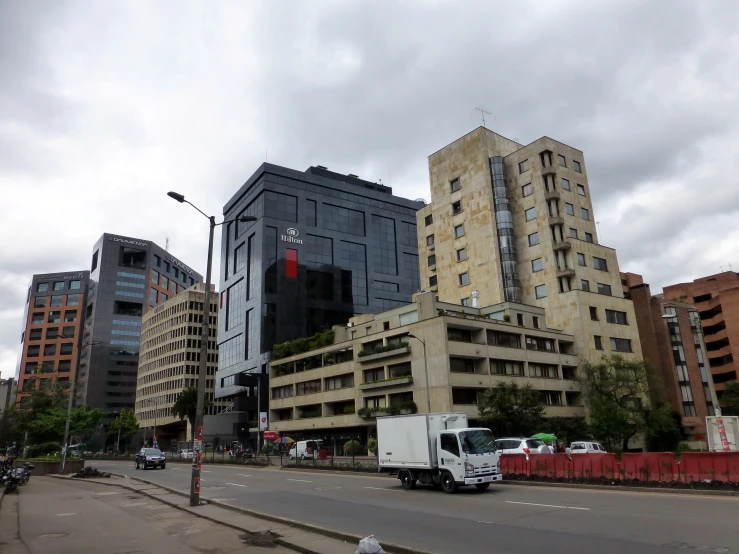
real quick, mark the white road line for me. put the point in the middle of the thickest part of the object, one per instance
(300, 480)
(176, 468)
(545, 505)
(69, 514)
(109, 493)
(242, 475)
(236, 485)
(383, 489)
(483, 522)
(206, 471)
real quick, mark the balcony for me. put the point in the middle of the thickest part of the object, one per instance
(382, 354)
(556, 220)
(562, 245)
(564, 411)
(551, 195)
(392, 382)
(551, 170)
(567, 272)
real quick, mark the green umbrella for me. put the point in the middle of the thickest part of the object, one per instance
(546, 437)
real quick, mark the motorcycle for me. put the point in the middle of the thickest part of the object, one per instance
(11, 480)
(25, 473)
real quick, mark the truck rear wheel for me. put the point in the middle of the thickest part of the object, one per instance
(482, 486)
(407, 480)
(448, 484)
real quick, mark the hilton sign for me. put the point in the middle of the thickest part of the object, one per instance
(291, 236)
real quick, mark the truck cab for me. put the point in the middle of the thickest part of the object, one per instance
(467, 457)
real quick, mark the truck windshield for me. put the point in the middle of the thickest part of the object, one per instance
(479, 441)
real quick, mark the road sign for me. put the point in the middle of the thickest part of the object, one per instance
(271, 435)
(197, 445)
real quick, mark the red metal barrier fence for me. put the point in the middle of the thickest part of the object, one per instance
(648, 466)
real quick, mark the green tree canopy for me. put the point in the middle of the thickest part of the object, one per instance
(730, 399)
(186, 406)
(126, 423)
(511, 410)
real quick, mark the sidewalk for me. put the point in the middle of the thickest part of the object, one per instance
(51, 516)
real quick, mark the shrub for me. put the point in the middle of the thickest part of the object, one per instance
(381, 349)
(43, 449)
(348, 409)
(372, 445)
(363, 412)
(267, 448)
(306, 344)
(352, 448)
(409, 405)
(506, 317)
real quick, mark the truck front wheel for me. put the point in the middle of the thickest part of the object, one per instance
(482, 486)
(448, 484)
(407, 480)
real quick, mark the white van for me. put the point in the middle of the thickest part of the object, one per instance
(306, 450)
(583, 447)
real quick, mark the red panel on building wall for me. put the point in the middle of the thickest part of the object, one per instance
(291, 262)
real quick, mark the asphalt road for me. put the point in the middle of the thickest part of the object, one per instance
(505, 518)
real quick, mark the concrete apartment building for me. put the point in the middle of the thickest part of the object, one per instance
(514, 223)
(169, 361)
(672, 340)
(716, 298)
(53, 330)
(324, 248)
(333, 392)
(128, 277)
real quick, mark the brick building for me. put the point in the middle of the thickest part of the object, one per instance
(672, 340)
(716, 298)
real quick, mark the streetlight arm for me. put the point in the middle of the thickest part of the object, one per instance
(198, 209)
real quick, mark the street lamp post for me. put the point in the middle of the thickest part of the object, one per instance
(426, 372)
(205, 335)
(70, 402)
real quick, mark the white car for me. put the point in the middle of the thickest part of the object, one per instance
(521, 446)
(185, 454)
(584, 447)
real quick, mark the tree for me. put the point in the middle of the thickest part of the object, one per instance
(730, 399)
(566, 429)
(511, 410)
(662, 429)
(125, 423)
(186, 406)
(617, 392)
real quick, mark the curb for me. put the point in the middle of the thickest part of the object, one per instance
(620, 488)
(335, 472)
(330, 533)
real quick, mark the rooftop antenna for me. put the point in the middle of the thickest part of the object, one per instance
(166, 244)
(727, 265)
(600, 239)
(482, 113)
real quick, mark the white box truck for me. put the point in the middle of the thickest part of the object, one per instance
(437, 449)
(730, 425)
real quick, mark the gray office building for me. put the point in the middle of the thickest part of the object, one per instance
(128, 276)
(324, 248)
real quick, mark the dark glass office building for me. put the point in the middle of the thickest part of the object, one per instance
(128, 276)
(325, 247)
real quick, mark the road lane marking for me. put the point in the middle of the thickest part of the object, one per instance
(300, 480)
(67, 514)
(545, 505)
(176, 468)
(106, 493)
(242, 475)
(237, 485)
(383, 489)
(206, 471)
(132, 504)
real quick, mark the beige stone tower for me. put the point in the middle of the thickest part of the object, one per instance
(515, 223)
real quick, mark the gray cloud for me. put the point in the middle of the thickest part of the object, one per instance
(104, 104)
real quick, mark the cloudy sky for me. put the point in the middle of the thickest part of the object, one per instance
(105, 106)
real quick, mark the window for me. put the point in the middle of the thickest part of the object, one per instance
(33, 351)
(454, 185)
(459, 231)
(585, 214)
(52, 333)
(340, 382)
(507, 340)
(573, 233)
(50, 349)
(524, 166)
(54, 317)
(162, 297)
(604, 289)
(465, 301)
(535, 321)
(619, 318)
(577, 167)
(585, 285)
(581, 190)
(530, 214)
(594, 313)
(621, 345)
(42, 287)
(581, 259)
(39, 302)
(432, 260)
(449, 444)
(430, 240)
(540, 344)
(310, 213)
(433, 281)
(344, 220)
(503, 367)
(70, 317)
(541, 291)
(565, 184)
(461, 254)
(527, 190)
(94, 264)
(278, 392)
(73, 299)
(372, 375)
(58, 285)
(459, 335)
(534, 239)
(429, 219)
(569, 208)
(457, 207)
(464, 278)
(37, 318)
(598, 342)
(544, 371)
(600, 263)
(308, 387)
(562, 160)
(588, 237)
(239, 257)
(551, 398)
(537, 265)
(519, 319)
(68, 331)
(35, 334)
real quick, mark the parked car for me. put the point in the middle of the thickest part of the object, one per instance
(150, 457)
(306, 450)
(521, 446)
(186, 454)
(585, 447)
